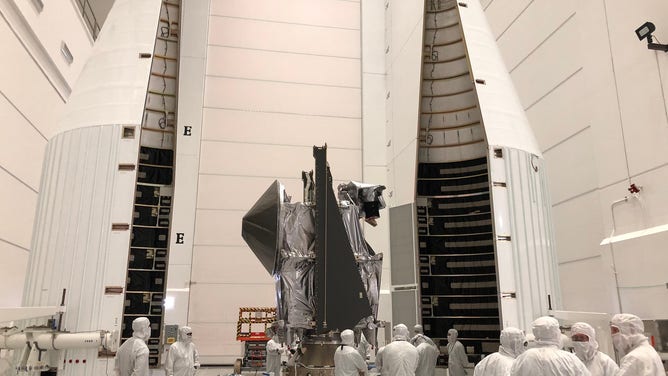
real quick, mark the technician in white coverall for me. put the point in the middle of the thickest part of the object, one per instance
(274, 351)
(499, 363)
(132, 357)
(457, 359)
(583, 339)
(182, 357)
(639, 358)
(398, 358)
(546, 359)
(427, 355)
(418, 336)
(347, 361)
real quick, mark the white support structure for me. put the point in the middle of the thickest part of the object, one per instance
(22, 313)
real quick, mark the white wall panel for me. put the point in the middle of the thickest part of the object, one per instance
(22, 153)
(406, 16)
(330, 13)
(373, 113)
(648, 303)
(241, 192)
(18, 207)
(65, 17)
(533, 80)
(636, 214)
(213, 266)
(274, 36)
(561, 114)
(405, 92)
(579, 227)
(21, 81)
(643, 293)
(600, 92)
(501, 14)
(227, 158)
(639, 87)
(216, 342)
(273, 128)
(373, 36)
(218, 296)
(219, 227)
(403, 186)
(560, 162)
(539, 20)
(12, 269)
(232, 93)
(586, 286)
(279, 66)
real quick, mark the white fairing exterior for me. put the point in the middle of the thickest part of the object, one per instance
(74, 248)
(526, 265)
(112, 86)
(502, 113)
(83, 191)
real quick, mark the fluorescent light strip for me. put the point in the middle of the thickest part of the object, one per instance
(635, 234)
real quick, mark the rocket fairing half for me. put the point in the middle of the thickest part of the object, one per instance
(104, 212)
(484, 239)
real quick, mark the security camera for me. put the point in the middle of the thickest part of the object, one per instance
(645, 32)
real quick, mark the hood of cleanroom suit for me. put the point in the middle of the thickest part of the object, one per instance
(512, 342)
(499, 363)
(141, 328)
(546, 331)
(639, 357)
(185, 334)
(598, 363)
(348, 337)
(631, 329)
(400, 333)
(584, 350)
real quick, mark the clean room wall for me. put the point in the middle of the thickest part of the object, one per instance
(35, 81)
(281, 76)
(595, 97)
(404, 20)
(375, 166)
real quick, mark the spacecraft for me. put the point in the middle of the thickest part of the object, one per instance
(327, 275)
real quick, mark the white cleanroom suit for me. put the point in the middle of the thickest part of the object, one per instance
(132, 357)
(398, 358)
(347, 361)
(273, 359)
(583, 340)
(427, 357)
(546, 359)
(639, 358)
(457, 359)
(182, 357)
(499, 363)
